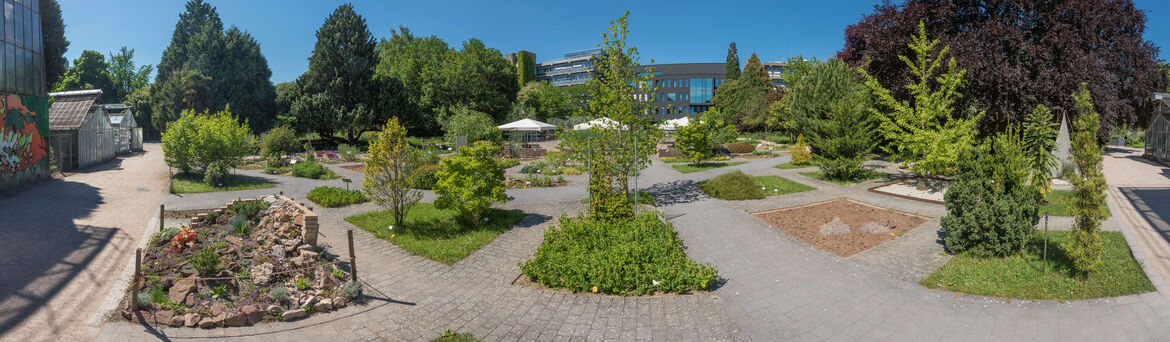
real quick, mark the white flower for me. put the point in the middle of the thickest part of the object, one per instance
(391, 227)
(655, 282)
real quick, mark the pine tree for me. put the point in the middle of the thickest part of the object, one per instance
(55, 44)
(754, 76)
(732, 63)
(1039, 141)
(1089, 182)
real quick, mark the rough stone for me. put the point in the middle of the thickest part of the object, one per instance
(177, 321)
(191, 320)
(309, 255)
(218, 309)
(178, 293)
(206, 322)
(219, 319)
(278, 252)
(236, 320)
(163, 316)
(252, 313)
(294, 314)
(191, 300)
(324, 305)
(339, 301)
(835, 227)
(875, 228)
(274, 309)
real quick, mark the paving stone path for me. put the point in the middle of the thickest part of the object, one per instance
(773, 287)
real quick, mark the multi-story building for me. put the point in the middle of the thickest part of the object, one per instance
(685, 88)
(775, 70)
(575, 68)
(24, 147)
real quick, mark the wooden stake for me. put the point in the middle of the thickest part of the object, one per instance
(161, 209)
(133, 305)
(352, 261)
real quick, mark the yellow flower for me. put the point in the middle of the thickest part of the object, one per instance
(891, 234)
(392, 236)
(595, 289)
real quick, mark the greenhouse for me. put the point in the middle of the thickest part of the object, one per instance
(1158, 135)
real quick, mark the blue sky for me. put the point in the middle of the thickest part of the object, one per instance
(667, 31)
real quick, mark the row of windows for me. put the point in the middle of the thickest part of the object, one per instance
(680, 110)
(673, 96)
(22, 65)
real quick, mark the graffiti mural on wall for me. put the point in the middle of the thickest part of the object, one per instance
(22, 136)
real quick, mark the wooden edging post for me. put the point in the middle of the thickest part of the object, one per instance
(133, 305)
(161, 209)
(352, 261)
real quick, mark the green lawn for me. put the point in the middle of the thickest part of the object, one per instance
(435, 233)
(672, 160)
(776, 185)
(820, 175)
(190, 183)
(704, 166)
(1022, 277)
(1060, 201)
(790, 165)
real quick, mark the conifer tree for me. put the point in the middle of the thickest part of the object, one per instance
(1089, 205)
(732, 63)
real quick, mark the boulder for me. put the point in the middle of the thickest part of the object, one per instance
(294, 314)
(218, 309)
(274, 309)
(339, 301)
(191, 320)
(262, 273)
(177, 321)
(323, 305)
(299, 219)
(236, 320)
(219, 319)
(163, 316)
(252, 313)
(206, 323)
(178, 293)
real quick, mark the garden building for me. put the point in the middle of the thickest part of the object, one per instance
(528, 130)
(80, 131)
(24, 151)
(129, 134)
(1158, 135)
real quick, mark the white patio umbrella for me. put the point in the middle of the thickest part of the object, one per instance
(527, 125)
(599, 123)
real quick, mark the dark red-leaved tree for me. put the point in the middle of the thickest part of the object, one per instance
(1019, 53)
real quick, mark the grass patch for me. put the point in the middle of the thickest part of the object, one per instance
(704, 166)
(672, 160)
(790, 165)
(191, 183)
(638, 256)
(776, 185)
(820, 175)
(1021, 276)
(451, 336)
(1060, 203)
(331, 197)
(435, 233)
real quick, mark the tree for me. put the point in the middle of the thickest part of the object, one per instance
(694, 141)
(841, 135)
(1089, 183)
(746, 97)
(621, 149)
(196, 140)
(991, 211)
(277, 142)
(549, 101)
(139, 103)
(414, 62)
(89, 71)
(226, 65)
(1166, 70)
(1021, 53)
(54, 42)
(476, 126)
(732, 63)
(389, 166)
(925, 130)
(1039, 142)
(479, 78)
(339, 97)
(285, 94)
(125, 77)
(471, 181)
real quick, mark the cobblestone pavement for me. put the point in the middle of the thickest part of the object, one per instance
(773, 287)
(65, 242)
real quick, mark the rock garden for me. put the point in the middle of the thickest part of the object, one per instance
(248, 262)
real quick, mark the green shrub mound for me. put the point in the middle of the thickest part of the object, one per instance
(424, 177)
(733, 186)
(638, 256)
(216, 174)
(740, 147)
(312, 170)
(987, 213)
(331, 197)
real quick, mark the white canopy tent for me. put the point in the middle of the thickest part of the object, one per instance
(674, 124)
(599, 123)
(527, 127)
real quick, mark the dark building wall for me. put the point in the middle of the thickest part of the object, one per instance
(684, 89)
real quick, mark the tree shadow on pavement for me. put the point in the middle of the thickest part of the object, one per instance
(43, 250)
(1153, 204)
(676, 192)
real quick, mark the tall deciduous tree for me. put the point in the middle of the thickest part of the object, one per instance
(416, 63)
(1020, 53)
(339, 97)
(549, 101)
(732, 72)
(1089, 205)
(55, 44)
(389, 166)
(925, 129)
(479, 78)
(89, 71)
(125, 76)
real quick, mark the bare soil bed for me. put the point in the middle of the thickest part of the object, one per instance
(842, 226)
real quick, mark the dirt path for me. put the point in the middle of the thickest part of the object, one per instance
(67, 241)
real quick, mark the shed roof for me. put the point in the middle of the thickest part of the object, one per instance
(70, 107)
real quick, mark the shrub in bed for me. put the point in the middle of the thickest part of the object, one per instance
(733, 186)
(331, 197)
(312, 170)
(740, 147)
(638, 256)
(205, 262)
(424, 178)
(991, 210)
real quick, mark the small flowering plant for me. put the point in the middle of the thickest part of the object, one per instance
(185, 238)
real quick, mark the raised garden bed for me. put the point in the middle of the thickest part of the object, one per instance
(842, 226)
(909, 189)
(248, 262)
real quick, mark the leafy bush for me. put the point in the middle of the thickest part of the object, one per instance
(638, 256)
(331, 197)
(167, 234)
(424, 177)
(239, 225)
(694, 141)
(734, 186)
(301, 283)
(990, 212)
(471, 181)
(739, 147)
(277, 142)
(144, 299)
(194, 141)
(352, 289)
(312, 170)
(556, 158)
(249, 209)
(474, 125)
(216, 174)
(205, 262)
(800, 154)
(389, 171)
(219, 292)
(279, 293)
(348, 152)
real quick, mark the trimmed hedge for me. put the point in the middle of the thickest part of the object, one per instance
(331, 197)
(638, 256)
(740, 148)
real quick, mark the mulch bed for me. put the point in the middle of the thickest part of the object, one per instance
(806, 222)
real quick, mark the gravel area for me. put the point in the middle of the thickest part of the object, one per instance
(829, 225)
